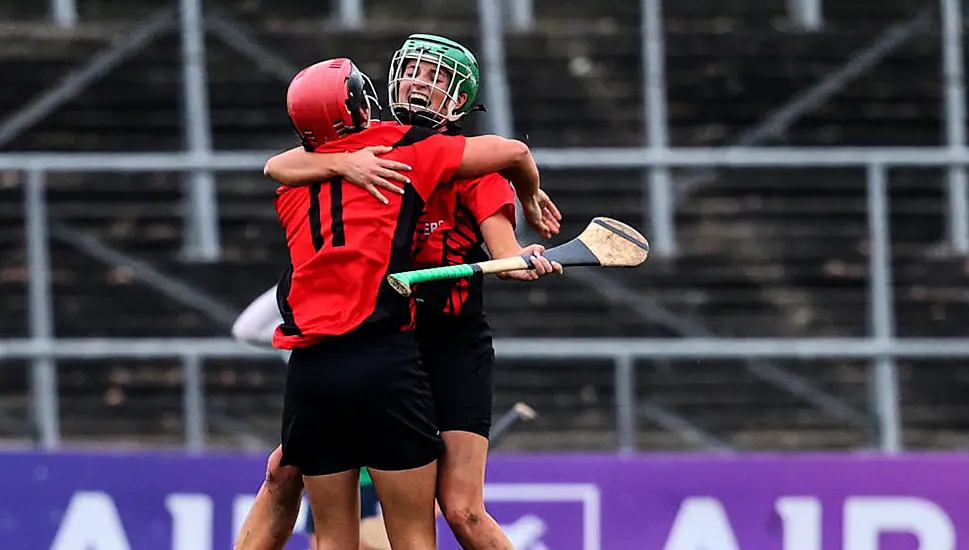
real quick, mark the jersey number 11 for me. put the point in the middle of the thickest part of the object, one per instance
(336, 214)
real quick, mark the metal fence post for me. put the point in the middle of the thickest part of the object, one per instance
(662, 226)
(43, 374)
(500, 116)
(202, 215)
(955, 122)
(522, 15)
(626, 410)
(806, 13)
(495, 77)
(194, 403)
(882, 310)
(64, 13)
(350, 14)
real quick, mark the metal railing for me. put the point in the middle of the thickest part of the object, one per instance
(660, 187)
(883, 348)
(349, 14)
(623, 352)
(202, 238)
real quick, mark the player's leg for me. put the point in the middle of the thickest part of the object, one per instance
(371, 524)
(404, 450)
(270, 521)
(460, 491)
(335, 504)
(407, 501)
(459, 357)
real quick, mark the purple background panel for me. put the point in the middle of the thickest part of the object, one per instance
(545, 502)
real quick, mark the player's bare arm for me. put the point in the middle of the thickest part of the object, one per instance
(499, 235)
(509, 157)
(364, 168)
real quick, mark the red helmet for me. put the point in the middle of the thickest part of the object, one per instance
(326, 101)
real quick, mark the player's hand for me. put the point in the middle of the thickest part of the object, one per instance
(542, 265)
(542, 214)
(550, 213)
(366, 169)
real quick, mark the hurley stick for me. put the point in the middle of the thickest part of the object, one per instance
(604, 242)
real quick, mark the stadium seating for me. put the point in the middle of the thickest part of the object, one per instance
(762, 252)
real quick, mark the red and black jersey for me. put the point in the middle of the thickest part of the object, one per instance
(448, 233)
(343, 244)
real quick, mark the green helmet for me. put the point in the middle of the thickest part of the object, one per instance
(456, 60)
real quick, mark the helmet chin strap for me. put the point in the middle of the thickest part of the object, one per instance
(461, 116)
(422, 116)
(474, 109)
(455, 127)
(419, 115)
(452, 118)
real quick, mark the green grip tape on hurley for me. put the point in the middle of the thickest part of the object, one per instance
(402, 281)
(435, 274)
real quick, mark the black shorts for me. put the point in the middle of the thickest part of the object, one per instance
(459, 355)
(362, 399)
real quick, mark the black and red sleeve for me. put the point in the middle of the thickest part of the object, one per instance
(490, 195)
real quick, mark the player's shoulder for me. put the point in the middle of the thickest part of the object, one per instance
(378, 133)
(412, 135)
(384, 126)
(383, 133)
(492, 179)
(393, 134)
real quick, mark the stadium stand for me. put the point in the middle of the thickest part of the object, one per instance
(760, 253)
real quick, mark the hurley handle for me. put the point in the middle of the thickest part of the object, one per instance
(403, 281)
(435, 274)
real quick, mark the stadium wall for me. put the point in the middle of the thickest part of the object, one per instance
(118, 501)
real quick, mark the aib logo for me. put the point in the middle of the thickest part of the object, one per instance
(526, 533)
(542, 516)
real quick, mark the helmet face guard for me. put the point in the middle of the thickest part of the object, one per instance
(361, 95)
(445, 56)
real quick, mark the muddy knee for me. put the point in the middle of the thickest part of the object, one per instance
(282, 481)
(464, 516)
